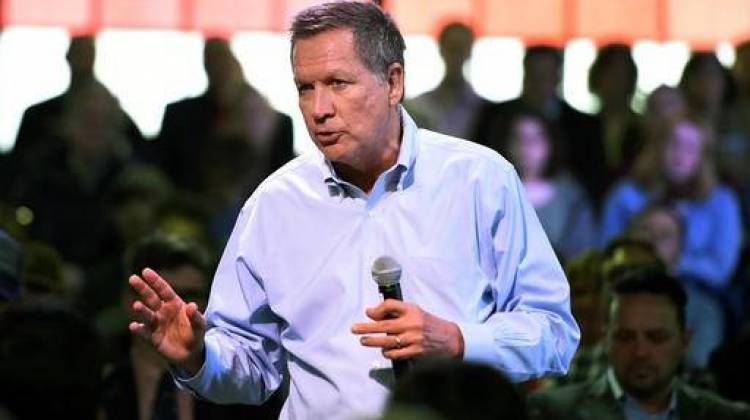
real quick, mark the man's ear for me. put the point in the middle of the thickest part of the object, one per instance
(395, 80)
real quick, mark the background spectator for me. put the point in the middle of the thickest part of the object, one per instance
(452, 107)
(561, 204)
(612, 79)
(221, 144)
(678, 168)
(578, 133)
(662, 226)
(646, 342)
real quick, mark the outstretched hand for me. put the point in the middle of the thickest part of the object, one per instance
(173, 327)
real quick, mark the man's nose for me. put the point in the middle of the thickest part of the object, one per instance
(642, 347)
(323, 105)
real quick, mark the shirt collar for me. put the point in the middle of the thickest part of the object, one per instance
(404, 163)
(622, 397)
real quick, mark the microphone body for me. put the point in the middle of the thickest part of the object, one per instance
(391, 292)
(387, 274)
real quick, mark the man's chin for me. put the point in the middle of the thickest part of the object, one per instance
(643, 387)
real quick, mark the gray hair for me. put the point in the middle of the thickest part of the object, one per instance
(376, 37)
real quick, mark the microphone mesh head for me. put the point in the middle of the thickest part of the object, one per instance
(386, 271)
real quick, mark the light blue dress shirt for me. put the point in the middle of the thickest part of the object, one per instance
(295, 276)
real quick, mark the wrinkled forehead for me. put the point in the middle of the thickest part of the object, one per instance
(330, 42)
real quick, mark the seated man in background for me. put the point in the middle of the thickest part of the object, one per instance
(646, 343)
(663, 227)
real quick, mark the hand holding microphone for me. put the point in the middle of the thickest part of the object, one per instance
(409, 330)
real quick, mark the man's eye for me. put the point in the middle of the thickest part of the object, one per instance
(339, 83)
(304, 88)
(658, 336)
(623, 336)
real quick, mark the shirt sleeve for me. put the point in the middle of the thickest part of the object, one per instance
(244, 358)
(531, 332)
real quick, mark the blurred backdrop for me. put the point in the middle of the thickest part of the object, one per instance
(149, 52)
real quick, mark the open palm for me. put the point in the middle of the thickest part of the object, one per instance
(173, 327)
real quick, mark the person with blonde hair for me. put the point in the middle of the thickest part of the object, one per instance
(677, 167)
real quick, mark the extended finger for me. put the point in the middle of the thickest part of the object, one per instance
(145, 292)
(386, 342)
(389, 326)
(140, 330)
(160, 286)
(389, 308)
(407, 352)
(143, 314)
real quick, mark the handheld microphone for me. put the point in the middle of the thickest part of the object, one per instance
(387, 274)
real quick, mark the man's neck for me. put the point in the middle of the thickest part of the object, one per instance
(615, 109)
(658, 402)
(452, 82)
(549, 106)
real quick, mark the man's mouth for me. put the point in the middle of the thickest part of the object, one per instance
(326, 138)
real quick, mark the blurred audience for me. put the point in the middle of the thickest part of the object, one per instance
(664, 104)
(588, 299)
(40, 124)
(730, 366)
(736, 148)
(50, 362)
(452, 107)
(646, 341)
(67, 196)
(44, 274)
(223, 143)
(11, 268)
(561, 204)
(81, 188)
(455, 390)
(578, 134)
(662, 226)
(591, 276)
(677, 168)
(709, 90)
(612, 79)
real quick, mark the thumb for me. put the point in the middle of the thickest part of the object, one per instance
(197, 320)
(388, 308)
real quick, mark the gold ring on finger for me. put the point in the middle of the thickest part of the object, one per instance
(399, 344)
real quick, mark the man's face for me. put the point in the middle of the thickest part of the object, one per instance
(645, 343)
(346, 107)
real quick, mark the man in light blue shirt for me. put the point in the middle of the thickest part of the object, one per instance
(293, 291)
